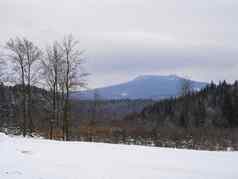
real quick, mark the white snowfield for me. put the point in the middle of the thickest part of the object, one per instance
(26, 158)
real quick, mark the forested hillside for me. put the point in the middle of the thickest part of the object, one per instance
(213, 106)
(11, 103)
(110, 110)
(200, 120)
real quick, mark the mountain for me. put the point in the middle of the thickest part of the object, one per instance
(143, 87)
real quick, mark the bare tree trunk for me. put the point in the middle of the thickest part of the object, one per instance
(62, 100)
(52, 120)
(51, 129)
(66, 107)
(24, 103)
(58, 108)
(31, 123)
(29, 103)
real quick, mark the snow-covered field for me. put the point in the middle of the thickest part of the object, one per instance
(43, 159)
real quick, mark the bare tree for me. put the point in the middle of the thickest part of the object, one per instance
(73, 76)
(17, 54)
(24, 55)
(33, 56)
(52, 66)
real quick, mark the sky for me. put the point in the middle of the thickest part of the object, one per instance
(123, 39)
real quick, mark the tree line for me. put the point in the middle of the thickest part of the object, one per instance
(57, 68)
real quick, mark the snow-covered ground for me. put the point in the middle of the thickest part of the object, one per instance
(43, 159)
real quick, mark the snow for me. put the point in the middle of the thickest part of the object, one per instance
(27, 158)
(124, 94)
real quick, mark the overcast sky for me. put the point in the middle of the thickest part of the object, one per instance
(126, 38)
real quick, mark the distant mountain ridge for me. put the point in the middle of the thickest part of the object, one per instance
(142, 87)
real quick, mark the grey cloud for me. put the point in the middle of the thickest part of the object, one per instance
(125, 38)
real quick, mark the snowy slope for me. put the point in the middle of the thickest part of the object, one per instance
(43, 159)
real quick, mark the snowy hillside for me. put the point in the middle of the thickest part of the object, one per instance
(43, 159)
